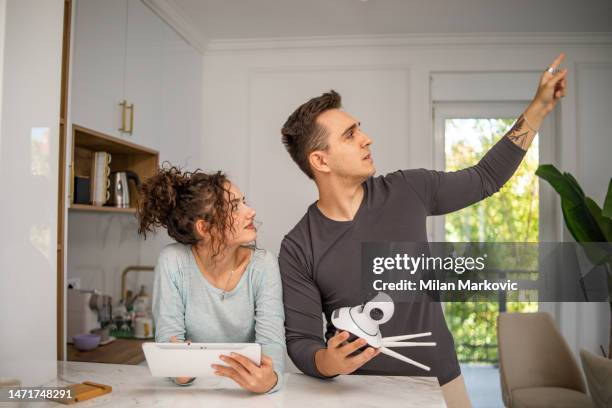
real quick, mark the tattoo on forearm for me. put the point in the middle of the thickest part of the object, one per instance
(519, 134)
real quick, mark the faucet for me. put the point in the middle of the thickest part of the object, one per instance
(138, 268)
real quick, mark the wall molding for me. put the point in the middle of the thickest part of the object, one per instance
(173, 15)
(423, 40)
(168, 11)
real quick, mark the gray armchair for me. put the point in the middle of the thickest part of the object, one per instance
(537, 368)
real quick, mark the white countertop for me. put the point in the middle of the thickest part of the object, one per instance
(133, 385)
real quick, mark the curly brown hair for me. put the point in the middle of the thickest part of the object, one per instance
(176, 200)
(302, 134)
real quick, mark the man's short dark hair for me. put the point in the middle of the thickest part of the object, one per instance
(302, 134)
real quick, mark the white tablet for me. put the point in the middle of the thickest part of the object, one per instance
(193, 359)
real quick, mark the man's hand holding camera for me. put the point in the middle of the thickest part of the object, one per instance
(337, 358)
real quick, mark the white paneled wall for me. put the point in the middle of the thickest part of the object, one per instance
(593, 130)
(251, 87)
(594, 163)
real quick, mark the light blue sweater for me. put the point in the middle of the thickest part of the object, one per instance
(187, 306)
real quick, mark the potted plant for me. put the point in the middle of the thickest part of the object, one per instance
(585, 220)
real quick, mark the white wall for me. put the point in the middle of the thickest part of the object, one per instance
(593, 90)
(250, 87)
(31, 82)
(2, 36)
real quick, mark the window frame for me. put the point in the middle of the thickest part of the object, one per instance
(548, 230)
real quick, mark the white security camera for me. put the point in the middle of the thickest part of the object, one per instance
(363, 321)
(380, 309)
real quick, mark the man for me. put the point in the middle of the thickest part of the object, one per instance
(320, 257)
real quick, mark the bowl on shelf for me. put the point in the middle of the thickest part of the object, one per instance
(87, 341)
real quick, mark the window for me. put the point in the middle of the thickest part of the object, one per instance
(463, 134)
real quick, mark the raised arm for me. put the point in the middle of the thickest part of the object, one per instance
(551, 89)
(444, 192)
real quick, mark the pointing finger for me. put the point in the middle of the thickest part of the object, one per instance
(557, 61)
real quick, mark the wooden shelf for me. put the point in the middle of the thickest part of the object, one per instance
(94, 140)
(125, 155)
(97, 208)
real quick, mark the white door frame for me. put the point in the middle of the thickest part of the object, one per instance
(549, 230)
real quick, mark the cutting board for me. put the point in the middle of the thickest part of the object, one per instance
(84, 391)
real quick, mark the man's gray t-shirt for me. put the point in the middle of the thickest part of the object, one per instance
(320, 260)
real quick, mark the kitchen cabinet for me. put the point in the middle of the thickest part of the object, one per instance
(143, 74)
(118, 57)
(98, 64)
(181, 93)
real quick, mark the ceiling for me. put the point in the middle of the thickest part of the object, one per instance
(247, 19)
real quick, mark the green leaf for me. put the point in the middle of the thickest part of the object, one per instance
(599, 253)
(563, 185)
(574, 183)
(580, 223)
(607, 208)
(605, 224)
(579, 220)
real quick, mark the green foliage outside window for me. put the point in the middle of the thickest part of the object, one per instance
(511, 215)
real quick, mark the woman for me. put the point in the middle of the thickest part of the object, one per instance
(213, 285)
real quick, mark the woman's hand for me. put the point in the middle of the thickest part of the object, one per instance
(247, 374)
(180, 380)
(551, 87)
